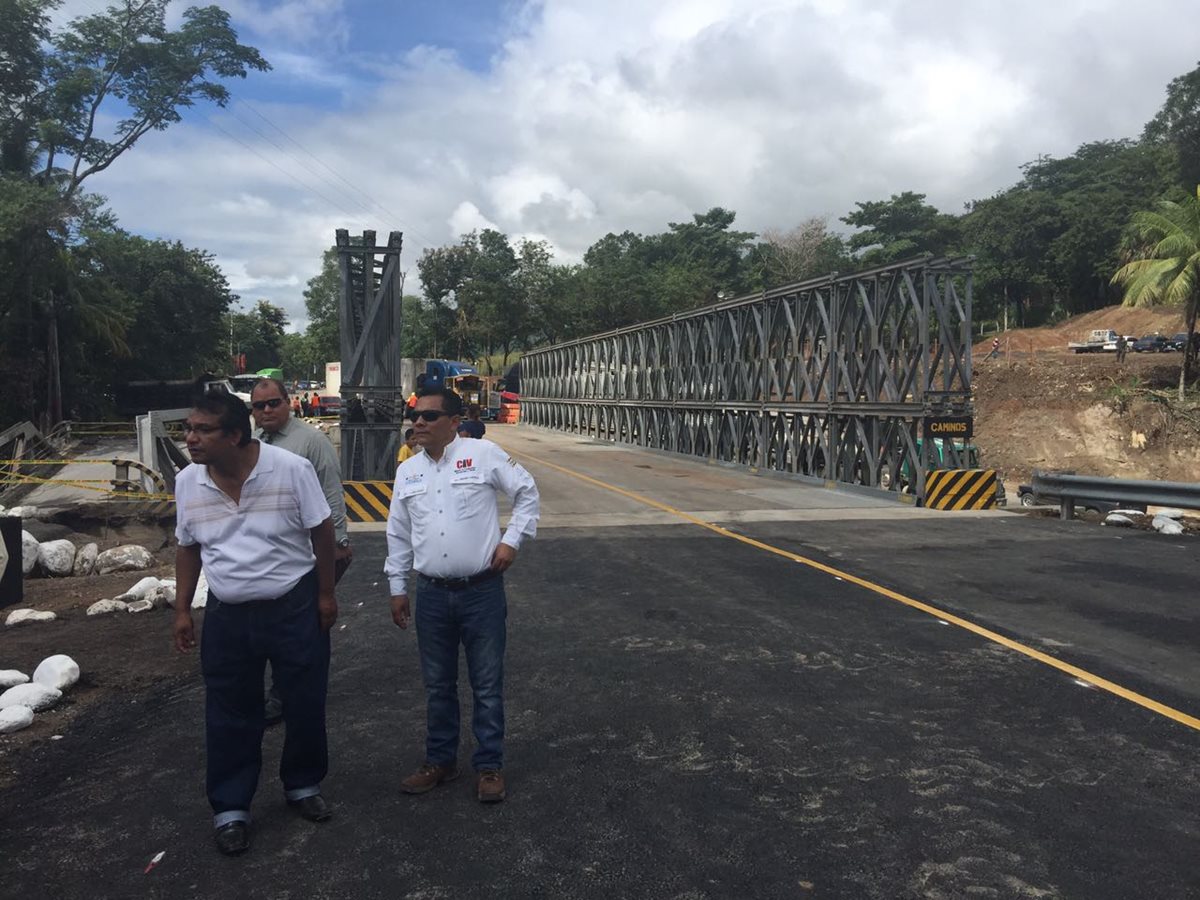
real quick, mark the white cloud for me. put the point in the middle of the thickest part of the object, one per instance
(626, 115)
(467, 217)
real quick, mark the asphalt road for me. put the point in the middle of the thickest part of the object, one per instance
(692, 716)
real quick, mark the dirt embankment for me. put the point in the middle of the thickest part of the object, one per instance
(1039, 406)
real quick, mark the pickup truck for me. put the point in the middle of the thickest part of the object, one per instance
(1103, 507)
(1151, 343)
(1098, 340)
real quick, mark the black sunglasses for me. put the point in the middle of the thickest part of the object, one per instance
(273, 403)
(429, 415)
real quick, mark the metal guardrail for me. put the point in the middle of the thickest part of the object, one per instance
(1070, 488)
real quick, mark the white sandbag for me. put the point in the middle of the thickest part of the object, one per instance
(149, 588)
(85, 559)
(14, 718)
(36, 696)
(58, 672)
(29, 552)
(127, 558)
(56, 558)
(1166, 526)
(24, 616)
(11, 678)
(104, 607)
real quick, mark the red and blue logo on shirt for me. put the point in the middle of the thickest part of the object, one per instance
(464, 463)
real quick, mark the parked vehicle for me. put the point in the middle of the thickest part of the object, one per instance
(326, 405)
(1103, 507)
(1178, 341)
(968, 455)
(1098, 340)
(243, 385)
(1151, 343)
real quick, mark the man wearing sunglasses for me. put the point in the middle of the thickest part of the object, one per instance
(253, 516)
(444, 523)
(277, 426)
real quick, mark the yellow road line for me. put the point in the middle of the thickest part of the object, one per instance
(1074, 671)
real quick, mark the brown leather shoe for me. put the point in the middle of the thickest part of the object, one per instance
(428, 777)
(489, 786)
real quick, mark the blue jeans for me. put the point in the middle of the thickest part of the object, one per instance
(475, 617)
(238, 641)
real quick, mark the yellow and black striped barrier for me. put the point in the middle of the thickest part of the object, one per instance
(367, 501)
(960, 489)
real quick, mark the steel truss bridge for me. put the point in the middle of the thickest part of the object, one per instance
(370, 317)
(828, 378)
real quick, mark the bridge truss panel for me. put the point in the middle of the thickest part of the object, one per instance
(828, 378)
(370, 318)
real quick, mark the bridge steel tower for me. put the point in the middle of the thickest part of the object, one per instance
(370, 317)
(828, 378)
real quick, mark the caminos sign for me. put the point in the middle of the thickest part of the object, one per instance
(949, 427)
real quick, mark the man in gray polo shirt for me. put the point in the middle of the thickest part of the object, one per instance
(277, 426)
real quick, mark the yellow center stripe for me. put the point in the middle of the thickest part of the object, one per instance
(1074, 671)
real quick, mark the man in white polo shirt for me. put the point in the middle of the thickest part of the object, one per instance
(255, 518)
(444, 522)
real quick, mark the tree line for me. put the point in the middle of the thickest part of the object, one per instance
(1048, 247)
(85, 305)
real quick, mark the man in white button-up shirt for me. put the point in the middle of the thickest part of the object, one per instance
(444, 524)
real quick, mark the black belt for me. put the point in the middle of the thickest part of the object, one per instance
(457, 583)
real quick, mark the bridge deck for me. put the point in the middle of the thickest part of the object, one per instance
(694, 713)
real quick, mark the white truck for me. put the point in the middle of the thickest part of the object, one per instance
(1098, 340)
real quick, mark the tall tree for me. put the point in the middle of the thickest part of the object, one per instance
(1010, 235)
(1166, 267)
(900, 227)
(128, 56)
(71, 108)
(1178, 123)
(260, 333)
(322, 297)
(807, 251)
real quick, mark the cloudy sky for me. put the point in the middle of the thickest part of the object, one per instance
(567, 119)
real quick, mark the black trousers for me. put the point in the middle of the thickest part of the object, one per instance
(238, 640)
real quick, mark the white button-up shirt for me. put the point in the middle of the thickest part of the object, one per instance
(443, 520)
(261, 546)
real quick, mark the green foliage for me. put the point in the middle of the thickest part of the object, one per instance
(259, 335)
(1165, 268)
(80, 302)
(321, 299)
(127, 54)
(300, 359)
(1178, 125)
(901, 227)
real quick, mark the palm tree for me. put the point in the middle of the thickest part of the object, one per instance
(1167, 240)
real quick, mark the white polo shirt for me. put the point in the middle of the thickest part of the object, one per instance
(443, 520)
(260, 547)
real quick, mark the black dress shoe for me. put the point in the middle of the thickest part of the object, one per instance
(233, 838)
(313, 808)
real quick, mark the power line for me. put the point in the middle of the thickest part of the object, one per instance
(320, 178)
(273, 164)
(336, 174)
